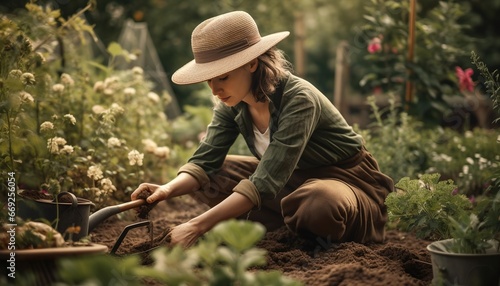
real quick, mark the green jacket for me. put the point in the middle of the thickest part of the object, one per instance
(307, 131)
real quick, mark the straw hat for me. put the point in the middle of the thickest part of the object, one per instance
(222, 44)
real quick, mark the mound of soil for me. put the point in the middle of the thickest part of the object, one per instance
(401, 260)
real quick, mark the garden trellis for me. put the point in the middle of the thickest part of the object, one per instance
(135, 37)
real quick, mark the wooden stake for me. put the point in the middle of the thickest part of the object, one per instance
(411, 47)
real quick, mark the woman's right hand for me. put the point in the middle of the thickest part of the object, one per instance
(158, 192)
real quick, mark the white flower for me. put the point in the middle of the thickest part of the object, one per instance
(129, 91)
(149, 145)
(116, 108)
(474, 221)
(95, 173)
(135, 157)
(107, 185)
(71, 118)
(108, 91)
(137, 70)
(469, 160)
(153, 96)
(162, 152)
(468, 134)
(47, 125)
(26, 97)
(465, 169)
(99, 86)
(54, 143)
(40, 57)
(114, 142)
(132, 57)
(58, 88)
(60, 141)
(67, 149)
(15, 73)
(98, 109)
(67, 80)
(27, 78)
(111, 81)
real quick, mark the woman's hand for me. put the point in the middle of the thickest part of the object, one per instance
(181, 185)
(185, 234)
(233, 206)
(158, 192)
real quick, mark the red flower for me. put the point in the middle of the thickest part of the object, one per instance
(374, 45)
(464, 79)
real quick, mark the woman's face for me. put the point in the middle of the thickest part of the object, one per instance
(234, 86)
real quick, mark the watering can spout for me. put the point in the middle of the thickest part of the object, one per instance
(99, 216)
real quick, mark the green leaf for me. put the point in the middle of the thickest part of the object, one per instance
(115, 49)
(240, 234)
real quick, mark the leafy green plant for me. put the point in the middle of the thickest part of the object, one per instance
(226, 255)
(396, 140)
(433, 209)
(423, 206)
(492, 83)
(473, 232)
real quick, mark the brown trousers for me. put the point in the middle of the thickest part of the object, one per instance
(339, 203)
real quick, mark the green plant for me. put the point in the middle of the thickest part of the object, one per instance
(472, 232)
(68, 123)
(492, 83)
(226, 255)
(396, 139)
(440, 44)
(424, 206)
(433, 209)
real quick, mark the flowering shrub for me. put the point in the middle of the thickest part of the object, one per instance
(96, 133)
(439, 47)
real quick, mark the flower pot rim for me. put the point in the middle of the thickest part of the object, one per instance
(80, 201)
(434, 249)
(55, 252)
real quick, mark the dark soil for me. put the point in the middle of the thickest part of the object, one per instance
(401, 260)
(143, 211)
(37, 195)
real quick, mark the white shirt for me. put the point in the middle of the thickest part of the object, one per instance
(261, 140)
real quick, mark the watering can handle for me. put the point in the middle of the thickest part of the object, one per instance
(74, 200)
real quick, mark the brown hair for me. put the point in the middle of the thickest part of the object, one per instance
(272, 68)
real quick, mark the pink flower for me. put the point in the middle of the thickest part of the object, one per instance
(464, 79)
(374, 45)
(377, 90)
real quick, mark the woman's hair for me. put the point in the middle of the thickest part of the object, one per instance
(272, 68)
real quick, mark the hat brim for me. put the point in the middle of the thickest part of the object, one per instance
(193, 72)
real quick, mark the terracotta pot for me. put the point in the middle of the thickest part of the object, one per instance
(60, 214)
(42, 262)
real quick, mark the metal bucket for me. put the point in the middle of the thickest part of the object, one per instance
(464, 269)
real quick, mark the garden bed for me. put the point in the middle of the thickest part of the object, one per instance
(401, 260)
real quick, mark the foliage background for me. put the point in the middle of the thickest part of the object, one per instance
(400, 141)
(327, 23)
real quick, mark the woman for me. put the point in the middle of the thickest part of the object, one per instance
(309, 171)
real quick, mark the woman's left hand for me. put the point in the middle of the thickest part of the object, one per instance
(185, 234)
